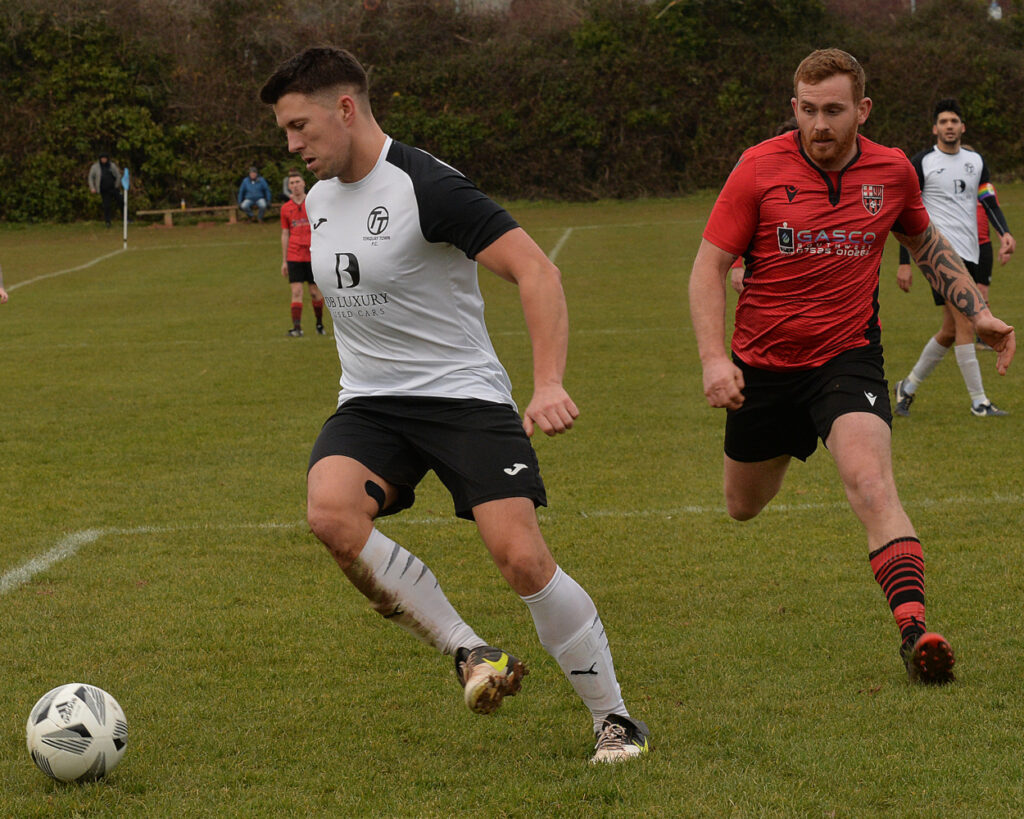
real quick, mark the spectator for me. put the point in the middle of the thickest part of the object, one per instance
(254, 190)
(103, 178)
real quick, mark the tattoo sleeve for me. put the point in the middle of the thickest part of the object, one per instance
(945, 271)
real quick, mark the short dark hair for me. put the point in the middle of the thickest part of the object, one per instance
(314, 70)
(948, 104)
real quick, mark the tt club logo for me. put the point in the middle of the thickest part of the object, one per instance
(871, 196)
(377, 221)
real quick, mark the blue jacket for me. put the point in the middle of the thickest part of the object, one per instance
(253, 190)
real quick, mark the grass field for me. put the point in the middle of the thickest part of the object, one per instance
(154, 428)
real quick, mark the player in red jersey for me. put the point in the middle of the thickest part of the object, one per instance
(810, 212)
(296, 265)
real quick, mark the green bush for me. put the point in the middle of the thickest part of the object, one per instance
(628, 99)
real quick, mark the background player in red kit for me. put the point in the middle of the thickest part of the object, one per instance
(296, 265)
(810, 212)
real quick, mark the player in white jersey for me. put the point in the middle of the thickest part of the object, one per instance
(953, 181)
(396, 236)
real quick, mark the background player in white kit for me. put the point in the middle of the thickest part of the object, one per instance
(395, 241)
(954, 181)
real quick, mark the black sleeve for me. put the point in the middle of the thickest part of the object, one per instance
(995, 215)
(917, 160)
(991, 205)
(452, 209)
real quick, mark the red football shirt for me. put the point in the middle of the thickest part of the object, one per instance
(983, 233)
(295, 221)
(812, 242)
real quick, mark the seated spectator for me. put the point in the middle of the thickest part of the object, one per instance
(254, 190)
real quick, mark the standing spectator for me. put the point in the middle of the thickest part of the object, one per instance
(103, 177)
(295, 265)
(254, 190)
(953, 181)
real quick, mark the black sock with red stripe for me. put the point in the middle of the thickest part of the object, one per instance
(899, 570)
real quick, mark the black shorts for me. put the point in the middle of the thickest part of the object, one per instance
(972, 268)
(478, 449)
(784, 413)
(299, 272)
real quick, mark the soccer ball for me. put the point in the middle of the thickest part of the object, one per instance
(77, 733)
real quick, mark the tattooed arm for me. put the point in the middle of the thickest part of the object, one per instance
(945, 271)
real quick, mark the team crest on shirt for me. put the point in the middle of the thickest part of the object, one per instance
(377, 222)
(871, 197)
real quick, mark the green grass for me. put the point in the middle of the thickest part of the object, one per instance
(152, 407)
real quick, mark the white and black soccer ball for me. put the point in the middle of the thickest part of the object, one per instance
(76, 733)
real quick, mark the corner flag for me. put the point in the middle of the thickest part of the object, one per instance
(125, 184)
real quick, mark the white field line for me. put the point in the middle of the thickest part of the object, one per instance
(554, 253)
(56, 273)
(65, 548)
(70, 544)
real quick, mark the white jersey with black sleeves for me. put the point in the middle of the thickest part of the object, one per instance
(394, 256)
(949, 189)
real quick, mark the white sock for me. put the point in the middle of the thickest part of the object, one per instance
(931, 355)
(404, 590)
(570, 631)
(967, 359)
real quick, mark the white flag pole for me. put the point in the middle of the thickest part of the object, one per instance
(125, 184)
